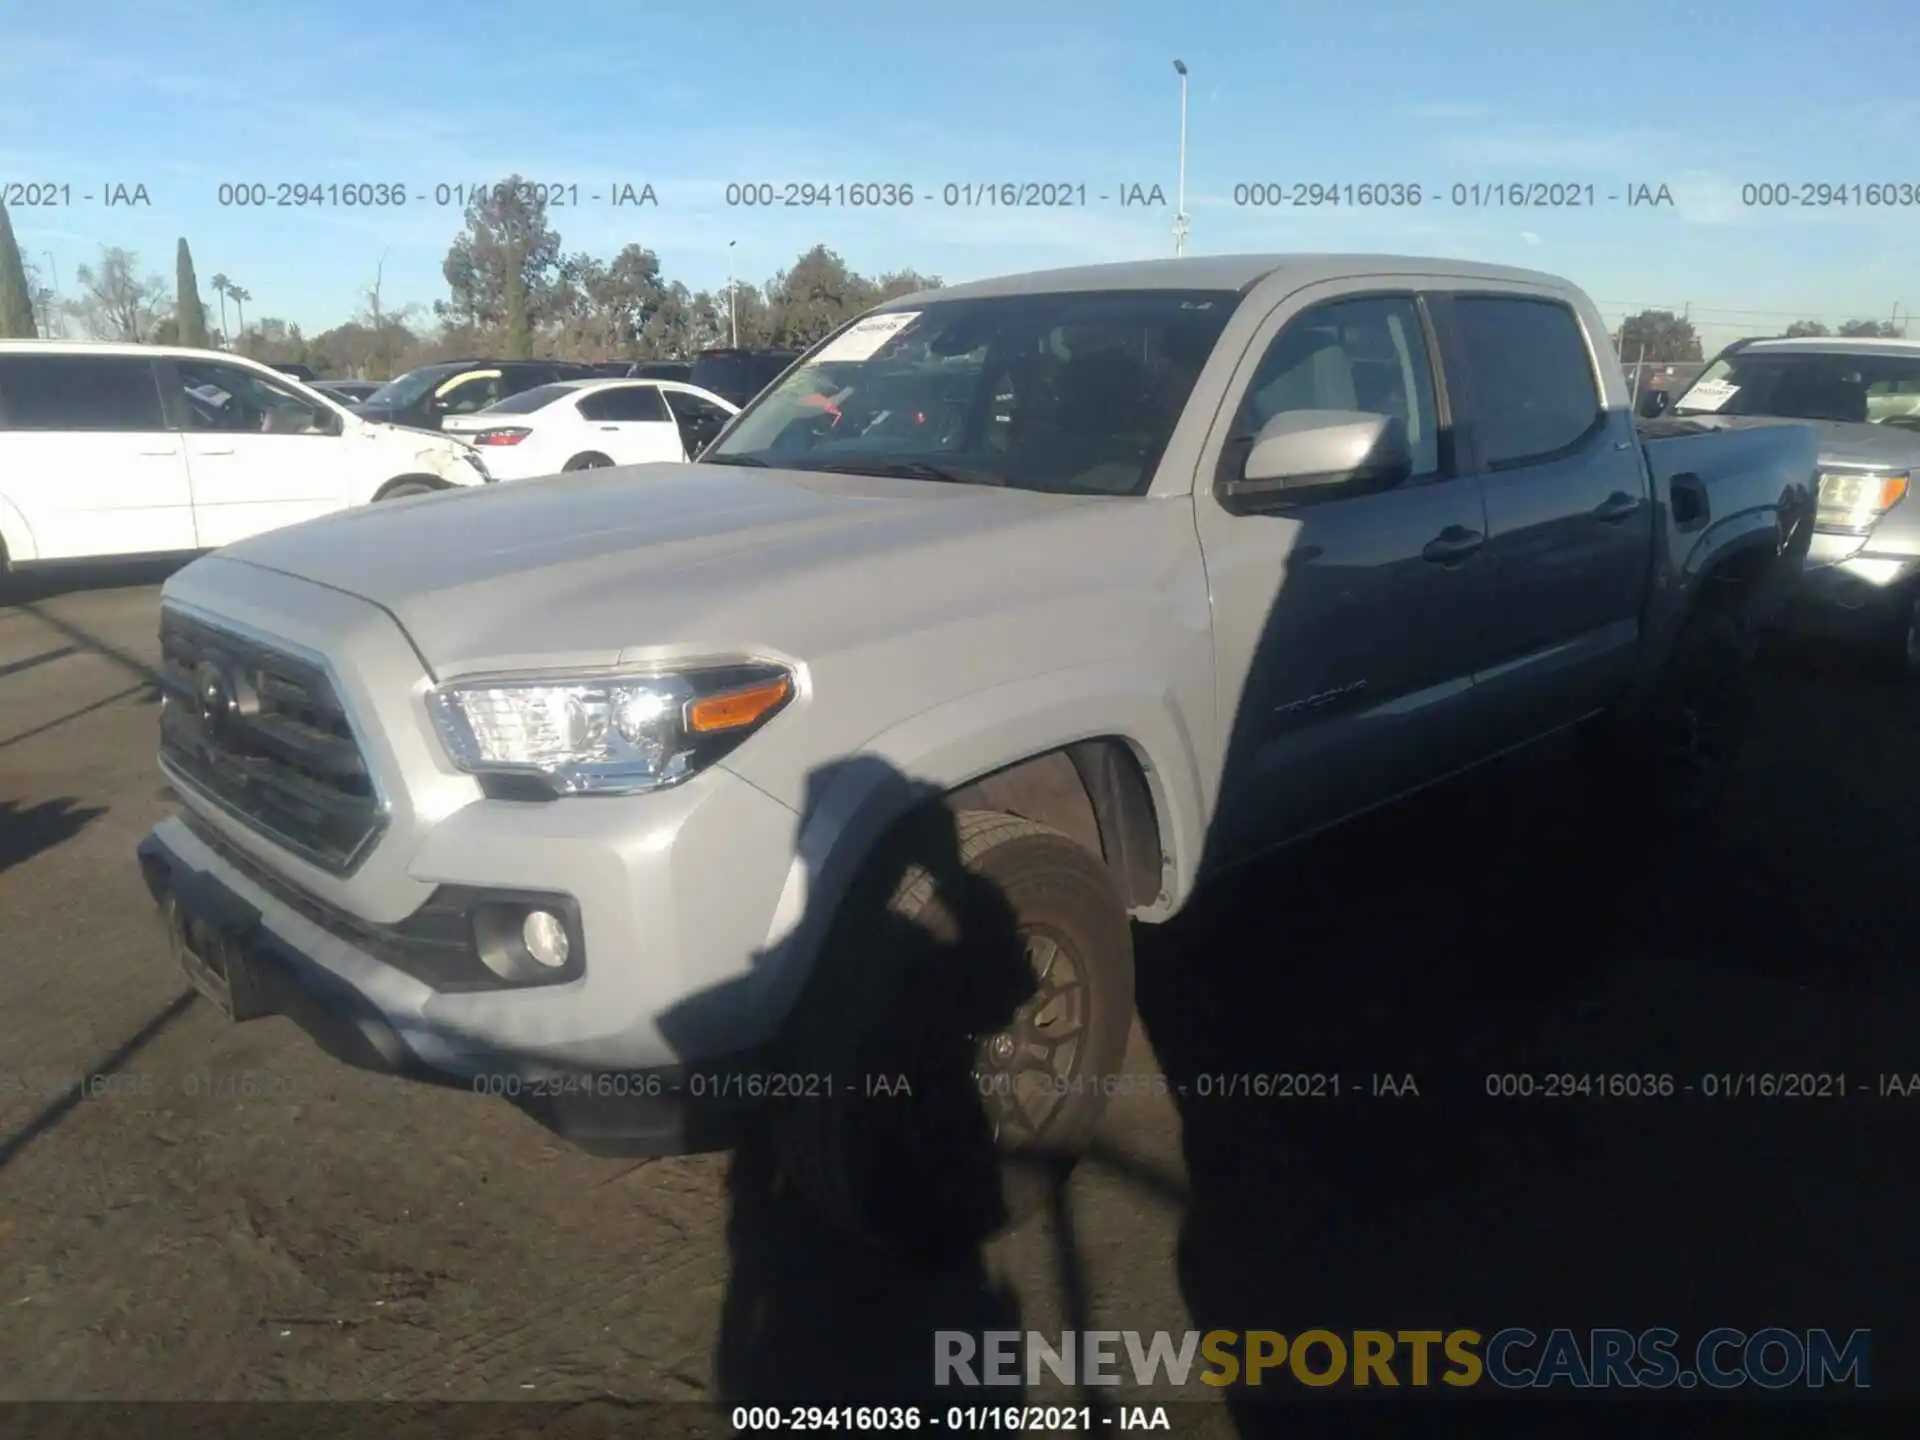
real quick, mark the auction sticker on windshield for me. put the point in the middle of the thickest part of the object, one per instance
(866, 337)
(1709, 395)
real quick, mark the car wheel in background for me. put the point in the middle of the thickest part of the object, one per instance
(586, 462)
(401, 489)
(974, 995)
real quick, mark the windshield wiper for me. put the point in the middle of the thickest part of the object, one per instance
(733, 460)
(914, 470)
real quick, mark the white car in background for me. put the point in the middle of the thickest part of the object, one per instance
(581, 424)
(111, 451)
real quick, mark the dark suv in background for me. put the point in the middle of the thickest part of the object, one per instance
(645, 369)
(739, 375)
(424, 397)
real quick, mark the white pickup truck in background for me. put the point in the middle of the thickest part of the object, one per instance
(1010, 614)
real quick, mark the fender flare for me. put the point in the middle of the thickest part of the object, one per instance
(1747, 532)
(16, 536)
(854, 800)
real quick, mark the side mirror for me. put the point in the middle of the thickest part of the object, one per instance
(1303, 455)
(1653, 404)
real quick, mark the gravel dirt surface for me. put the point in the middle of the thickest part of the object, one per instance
(227, 1213)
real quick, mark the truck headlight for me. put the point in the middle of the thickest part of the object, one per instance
(606, 734)
(1853, 503)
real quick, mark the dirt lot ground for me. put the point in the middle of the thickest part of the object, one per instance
(233, 1215)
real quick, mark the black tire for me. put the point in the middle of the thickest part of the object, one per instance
(1672, 758)
(401, 489)
(1897, 657)
(589, 461)
(945, 967)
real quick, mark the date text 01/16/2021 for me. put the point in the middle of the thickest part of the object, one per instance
(1459, 195)
(955, 1419)
(738, 1085)
(1059, 194)
(393, 194)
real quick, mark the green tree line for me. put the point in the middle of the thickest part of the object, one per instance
(513, 289)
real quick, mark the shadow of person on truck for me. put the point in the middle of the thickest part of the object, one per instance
(881, 1117)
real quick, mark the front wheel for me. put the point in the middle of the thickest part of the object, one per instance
(973, 999)
(585, 462)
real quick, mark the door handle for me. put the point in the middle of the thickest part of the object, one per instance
(1455, 543)
(228, 451)
(1617, 507)
(609, 427)
(158, 454)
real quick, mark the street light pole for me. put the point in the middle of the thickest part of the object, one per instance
(733, 308)
(1180, 210)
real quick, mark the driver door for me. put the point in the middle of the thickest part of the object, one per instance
(262, 457)
(1344, 625)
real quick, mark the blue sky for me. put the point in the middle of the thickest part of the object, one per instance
(183, 97)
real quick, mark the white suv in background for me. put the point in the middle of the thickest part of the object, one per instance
(581, 424)
(120, 450)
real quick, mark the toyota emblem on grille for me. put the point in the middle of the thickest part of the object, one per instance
(214, 691)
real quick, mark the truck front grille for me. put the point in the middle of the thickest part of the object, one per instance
(263, 734)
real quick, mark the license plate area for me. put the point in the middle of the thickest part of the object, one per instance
(212, 933)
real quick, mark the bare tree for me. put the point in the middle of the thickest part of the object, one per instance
(115, 302)
(388, 328)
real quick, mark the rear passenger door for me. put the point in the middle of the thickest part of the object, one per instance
(699, 419)
(630, 425)
(1569, 518)
(1343, 626)
(88, 458)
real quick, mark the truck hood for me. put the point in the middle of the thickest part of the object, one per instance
(608, 565)
(1882, 445)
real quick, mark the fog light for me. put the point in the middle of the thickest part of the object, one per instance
(545, 936)
(525, 942)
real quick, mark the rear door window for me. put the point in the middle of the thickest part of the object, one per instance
(1535, 394)
(101, 393)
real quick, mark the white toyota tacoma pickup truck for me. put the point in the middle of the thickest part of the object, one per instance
(824, 776)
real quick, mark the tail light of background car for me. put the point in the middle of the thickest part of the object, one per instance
(507, 435)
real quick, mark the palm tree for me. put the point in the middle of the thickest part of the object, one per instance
(240, 298)
(221, 285)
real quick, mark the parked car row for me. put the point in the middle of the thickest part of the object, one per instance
(1008, 615)
(121, 450)
(112, 451)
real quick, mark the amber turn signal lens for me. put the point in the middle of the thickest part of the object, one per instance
(733, 709)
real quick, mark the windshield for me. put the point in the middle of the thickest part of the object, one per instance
(1859, 387)
(398, 394)
(528, 401)
(1076, 392)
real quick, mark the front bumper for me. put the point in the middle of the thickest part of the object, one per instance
(651, 1050)
(1850, 597)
